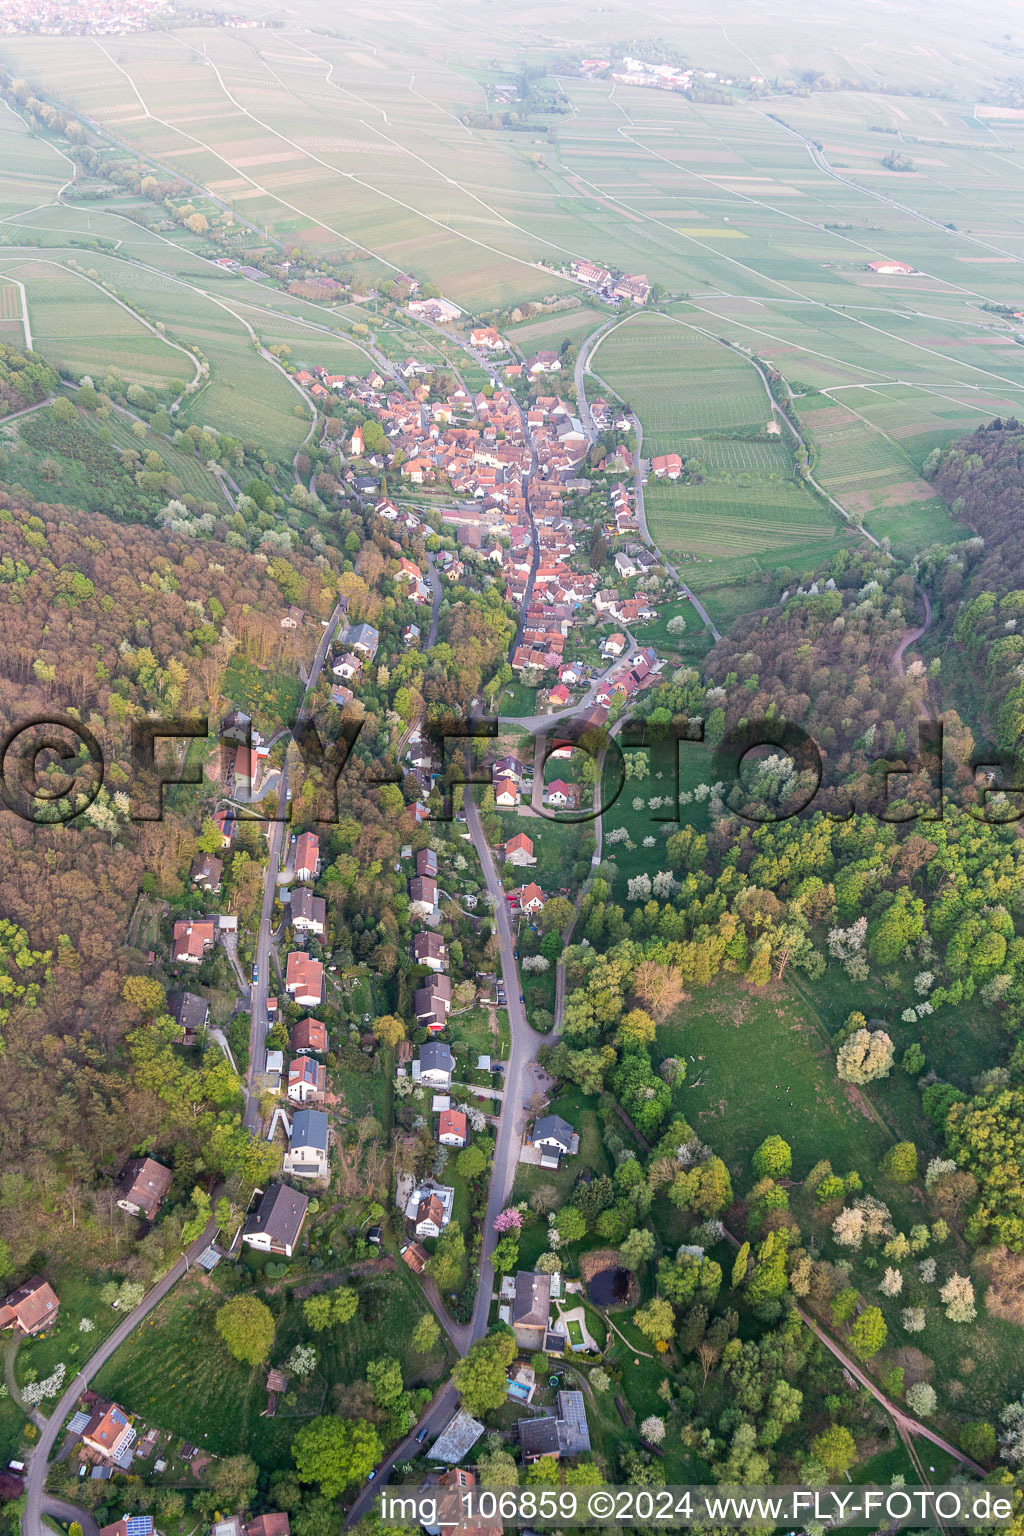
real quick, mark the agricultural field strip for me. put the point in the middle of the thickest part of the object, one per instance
(434, 169)
(645, 149)
(60, 267)
(756, 202)
(818, 158)
(785, 341)
(337, 171)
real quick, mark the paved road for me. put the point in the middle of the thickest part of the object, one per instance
(520, 1082)
(587, 346)
(275, 841)
(36, 1501)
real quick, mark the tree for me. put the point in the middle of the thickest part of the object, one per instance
(505, 1256)
(385, 1377)
(739, 1268)
(656, 1320)
(653, 1429)
(426, 1334)
(555, 914)
(197, 223)
(958, 1296)
(835, 1449)
(900, 1162)
(233, 1480)
(480, 1376)
(773, 1159)
(445, 1263)
(978, 1440)
(144, 993)
(326, 1308)
(246, 1325)
(470, 1163)
(868, 1333)
(637, 1248)
(922, 1399)
(570, 1224)
(388, 1029)
(866, 1056)
(334, 1453)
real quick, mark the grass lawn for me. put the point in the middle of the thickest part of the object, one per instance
(79, 1297)
(756, 1064)
(575, 1332)
(11, 1421)
(176, 1373)
(272, 698)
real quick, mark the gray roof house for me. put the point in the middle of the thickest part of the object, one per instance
(555, 1137)
(531, 1309)
(307, 1150)
(274, 1225)
(434, 1064)
(363, 638)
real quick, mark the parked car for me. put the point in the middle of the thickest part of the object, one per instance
(422, 1436)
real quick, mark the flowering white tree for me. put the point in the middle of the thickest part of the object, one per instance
(958, 1296)
(639, 888)
(34, 1392)
(912, 1319)
(922, 1399)
(302, 1361)
(653, 1429)
(892, 1282)
(938, 1168)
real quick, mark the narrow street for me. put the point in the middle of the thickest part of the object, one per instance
(276, 835)
(37, 1502)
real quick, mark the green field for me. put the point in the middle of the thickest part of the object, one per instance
(176, 1373)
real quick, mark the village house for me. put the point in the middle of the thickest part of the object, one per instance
(276, 1222)
(613, 645)
(108, 1433)
(304, 979)
(415, 1256)
(347, 665)
(206, 872)
(891, 268)
(309, 1035)
(31, 1307)
(667, 466)
(224, 820)
(506, 793)
(193, 939)
(531, 1309)
(430, 949)
(429, 1208)
(452, 1128)
(142, 1187)
(531, 898)
(190, 1011)
(307, 1080)
(274, 1524)
(426, 863)
(554, 1137)
(434, 1065)
(307, 856)
(487, 337)
(308, 912)
(307, 1157)
(558, 793)
(422, 896)
(519, 850)
(292, 619)
(130, 1525)
(566, 1433)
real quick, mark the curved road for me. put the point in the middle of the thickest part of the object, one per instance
(37, 1503)
(913, 635)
